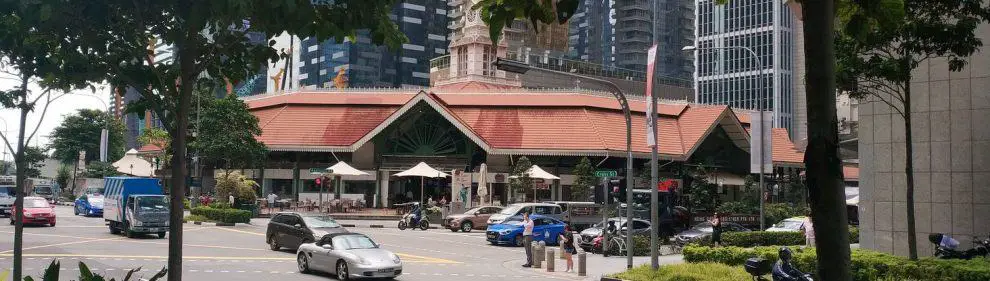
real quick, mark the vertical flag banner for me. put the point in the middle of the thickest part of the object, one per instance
(651, 118)
(758, 143)
(104, 143)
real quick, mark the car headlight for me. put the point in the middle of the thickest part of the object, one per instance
(138, 223)
(504, 231)
(395, 259)
(28, 215)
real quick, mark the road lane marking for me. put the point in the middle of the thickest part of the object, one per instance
(91, 256)
(66, 243)
(424, 259)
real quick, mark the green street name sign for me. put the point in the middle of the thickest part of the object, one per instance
(317, 170)
(606, 174)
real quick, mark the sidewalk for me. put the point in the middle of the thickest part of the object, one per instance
(597, 266)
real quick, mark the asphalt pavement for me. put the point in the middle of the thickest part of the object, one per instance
(240, 253)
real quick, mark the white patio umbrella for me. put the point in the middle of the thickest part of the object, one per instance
(422, 171)
(338, 170)
(538, 173)
(483, 192)
(133, 165)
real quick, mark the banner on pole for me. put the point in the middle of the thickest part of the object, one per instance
(651, 118)
(104, 139)
(759, 143)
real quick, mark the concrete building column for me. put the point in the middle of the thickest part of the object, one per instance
(295, 178)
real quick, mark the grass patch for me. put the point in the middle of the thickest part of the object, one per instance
(196, 218)
(686, 272)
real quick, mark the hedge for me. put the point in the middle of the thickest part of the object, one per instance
(866, 265)
(762, 238)
(223, 215)
(687, 271)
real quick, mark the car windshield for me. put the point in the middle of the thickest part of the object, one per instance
(154, 203)
(318, 222)
(511, 210)
(36, 203)
(472, 211)
(789, 224)
(513, 220)
(705, 227)
(46, 190)
(351, 242)
(94, 191)
(6, 191)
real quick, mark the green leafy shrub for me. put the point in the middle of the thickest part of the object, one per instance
(686, 272)
(53, 270)
(219, 205)
(185, 204)
(866, 265)
(776, 212)
(223, 215)
(762, 238)
(738, 207)
(853, 234)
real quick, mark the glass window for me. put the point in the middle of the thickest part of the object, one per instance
(350, 242)
(640, 225)
(318, 222)
(544, 210)
(36, 203)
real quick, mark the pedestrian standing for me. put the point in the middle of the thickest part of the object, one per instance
(271, 202)
(809, 232)
(528, 239)
(567, 243)
(716, 229)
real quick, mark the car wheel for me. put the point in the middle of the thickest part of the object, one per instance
(114, 230)
(519, 241)
(161, 235)
(467, 226)
(273, 243)
(75, 210)
(52, 224)
(303, 263)
(342, 273)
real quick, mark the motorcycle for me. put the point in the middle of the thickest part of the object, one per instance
(406, 222)
(782, 270)
(981, 249)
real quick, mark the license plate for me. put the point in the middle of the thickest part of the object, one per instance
(154, 229)
(491, 236)
(386, 270)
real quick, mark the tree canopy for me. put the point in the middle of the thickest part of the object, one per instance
(521, 182)
(226, 134)
(585, 181)
(81, 132)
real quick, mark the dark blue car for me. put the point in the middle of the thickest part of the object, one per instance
(510, 231)
(90, 205)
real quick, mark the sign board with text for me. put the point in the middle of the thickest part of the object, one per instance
(606, 174)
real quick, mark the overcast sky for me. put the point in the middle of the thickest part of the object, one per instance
(56, 112)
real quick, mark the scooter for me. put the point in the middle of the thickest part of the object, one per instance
(406, 222)
(980, 249)
(782, 270)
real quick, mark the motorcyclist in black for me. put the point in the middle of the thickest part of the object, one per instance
(783, 270)
(416, 212)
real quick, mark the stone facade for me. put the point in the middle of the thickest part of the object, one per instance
(951, 141)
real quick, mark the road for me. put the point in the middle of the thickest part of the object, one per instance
(240, 253)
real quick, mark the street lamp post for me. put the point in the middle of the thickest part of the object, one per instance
(759, 108)
(521, 68)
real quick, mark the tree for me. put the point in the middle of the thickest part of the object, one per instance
(97, 169)
(31, 55)
(875, 61)
(520, 180)
(210, 41)
(34, 158)
(227, 134)
(81, 132)
(158, 138)
(585, 181)
(62, 179)
(233, 182)
(702, 193)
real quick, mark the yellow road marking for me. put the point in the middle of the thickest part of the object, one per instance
(66, 243)
(404, 256)
(425, 259)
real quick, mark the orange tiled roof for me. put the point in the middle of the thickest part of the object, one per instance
(148, 148)
(505, 123)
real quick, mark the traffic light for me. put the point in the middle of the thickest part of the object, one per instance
(617, 191)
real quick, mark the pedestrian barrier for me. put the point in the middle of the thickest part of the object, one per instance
(560, 248)
(537, 253)
(582, 264)
(550, 260)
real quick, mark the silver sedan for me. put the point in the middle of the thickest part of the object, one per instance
(348, 255)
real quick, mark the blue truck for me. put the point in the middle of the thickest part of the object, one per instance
(135, 206)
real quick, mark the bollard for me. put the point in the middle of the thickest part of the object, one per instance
(560, 247)
(582, 265)
(550, 260)
(537, 255)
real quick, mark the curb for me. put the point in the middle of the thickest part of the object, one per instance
(212, 223)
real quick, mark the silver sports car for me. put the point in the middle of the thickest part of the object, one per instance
(348, 255)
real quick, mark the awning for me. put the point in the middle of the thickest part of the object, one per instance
(133, 165)
(342, 169)
(422, 170)
(538, 173)
(723, 178)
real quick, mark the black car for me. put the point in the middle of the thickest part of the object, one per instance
(587, 236)
(703, 230)
(290, 230)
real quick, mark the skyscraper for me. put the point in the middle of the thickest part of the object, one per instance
(364, 64)
(730, 75)
(591, 32)
(639, 22)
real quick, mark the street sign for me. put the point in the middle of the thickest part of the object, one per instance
(317, 170)
(606, 174)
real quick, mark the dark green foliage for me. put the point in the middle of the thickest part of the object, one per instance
(776, 212)
(521, 181)
(81, 132)
(226, 215)
(704, 195)
(499, 14)
(227, 132)
(686, 272)
(866, 265)
(763, 238)
(585, 181)
(35, 158)
(97, 169)
(738, 207)
(53, 269)
(853, 234)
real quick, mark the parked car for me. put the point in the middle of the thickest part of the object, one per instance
(588, 235)
(290, 230)
(90, 205)
(704, 229)
(545, 209)
(475, 218)
(7, 197)
(37, 211)
(794, 224)
(510, 231)
(348, 255)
